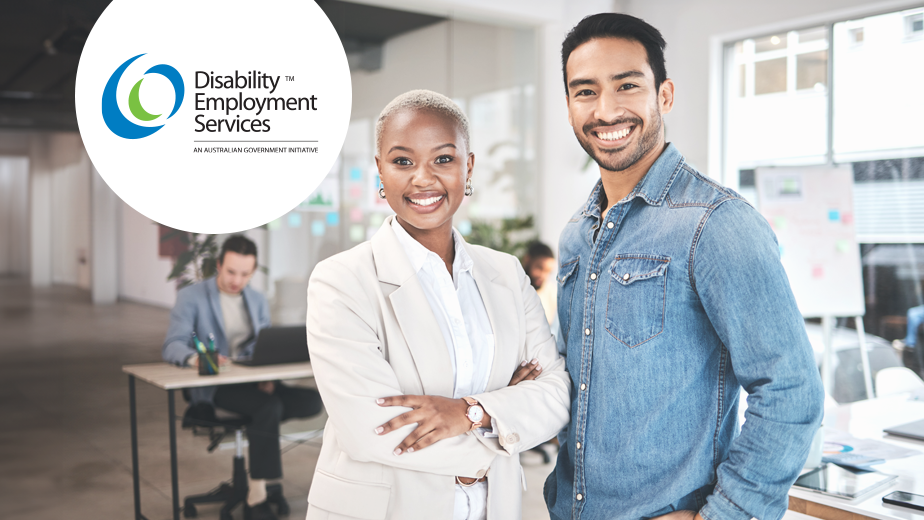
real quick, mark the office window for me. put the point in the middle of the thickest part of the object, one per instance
(770, 76)
(914, 26)
(779, 111)
(855, 36)
(842, 93)
(812, 70)
(886, 54)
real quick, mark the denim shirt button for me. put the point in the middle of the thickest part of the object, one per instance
(587, 332)
(610, 225)
(578, 445)
(625, 276)
(583, 386)
(579, 497)
(593, 276)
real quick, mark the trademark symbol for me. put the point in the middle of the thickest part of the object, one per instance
(290, 78)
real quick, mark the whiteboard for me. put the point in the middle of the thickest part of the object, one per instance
(811, 211)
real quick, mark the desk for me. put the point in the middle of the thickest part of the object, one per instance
(170, 378)
(866, 420)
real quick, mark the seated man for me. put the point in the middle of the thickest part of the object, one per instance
(233, 313)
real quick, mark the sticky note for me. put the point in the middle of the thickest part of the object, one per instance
(818, 272)
(780, 223)
(465, 227)
(274, 224)
(333, 218)
(357, 233)
(834, 215)
(847, 218)
(356, 191)
(356, 174)
(842, 246)
(790, 186)
(356, 215)
(317, 228)
(295, 220)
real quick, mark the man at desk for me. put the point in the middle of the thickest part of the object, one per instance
(233, 313)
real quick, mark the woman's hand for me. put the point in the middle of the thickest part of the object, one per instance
(437, 418)
(527, 372)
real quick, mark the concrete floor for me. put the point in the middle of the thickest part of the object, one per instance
(65, 449)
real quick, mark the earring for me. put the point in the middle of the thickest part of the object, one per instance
(468, 188)
(382, 192)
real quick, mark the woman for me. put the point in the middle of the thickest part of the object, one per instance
(414, 337)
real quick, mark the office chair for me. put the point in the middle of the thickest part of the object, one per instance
(201, 418)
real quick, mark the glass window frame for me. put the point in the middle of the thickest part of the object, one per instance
(727, 62)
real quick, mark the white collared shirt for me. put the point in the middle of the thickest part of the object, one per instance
(459, 310)
(463, 320)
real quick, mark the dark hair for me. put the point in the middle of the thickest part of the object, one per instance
(617, 25)
(537, 249)
(238, 244)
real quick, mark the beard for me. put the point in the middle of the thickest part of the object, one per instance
(609, 159)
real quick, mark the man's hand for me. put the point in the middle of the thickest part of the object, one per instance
(680, 515)
(528, 371)
(267, 386)
(437, 418)
(222, 361)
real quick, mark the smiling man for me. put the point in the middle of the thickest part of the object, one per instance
(671, 299)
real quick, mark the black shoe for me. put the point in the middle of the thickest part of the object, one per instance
(260, 511)
(274, 496)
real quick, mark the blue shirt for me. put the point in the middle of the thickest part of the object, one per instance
(915, 318)
(667, 307)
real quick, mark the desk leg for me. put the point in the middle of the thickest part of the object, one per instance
(174, 480)
(136, 480)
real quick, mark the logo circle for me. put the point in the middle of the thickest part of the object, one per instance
(217, 119)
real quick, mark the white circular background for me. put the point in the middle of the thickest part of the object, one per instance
(161, 176)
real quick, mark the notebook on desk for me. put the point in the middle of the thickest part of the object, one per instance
(278, 345)
(912, 430)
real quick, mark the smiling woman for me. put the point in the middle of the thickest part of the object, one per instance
(433, 357)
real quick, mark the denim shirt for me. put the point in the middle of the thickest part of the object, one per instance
(667, 307)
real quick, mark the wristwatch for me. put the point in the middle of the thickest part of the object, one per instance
(475, 412)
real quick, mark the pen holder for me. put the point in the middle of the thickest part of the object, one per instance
(208, 363)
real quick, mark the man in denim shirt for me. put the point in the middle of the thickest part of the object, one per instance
(671, 298)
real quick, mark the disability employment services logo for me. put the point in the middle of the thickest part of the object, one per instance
(112, 115)
(250, 104)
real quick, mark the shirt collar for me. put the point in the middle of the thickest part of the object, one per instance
(417, 254)
(652, 188)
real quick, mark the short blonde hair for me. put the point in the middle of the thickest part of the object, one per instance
(422, 100)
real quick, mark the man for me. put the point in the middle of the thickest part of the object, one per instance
(539, 264)
(227, 308)
(671, 298)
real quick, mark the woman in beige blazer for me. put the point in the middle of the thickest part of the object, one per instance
(402, 327)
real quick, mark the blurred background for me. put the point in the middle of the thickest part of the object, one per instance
(86, 283)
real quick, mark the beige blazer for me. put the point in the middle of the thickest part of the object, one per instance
(371, 334)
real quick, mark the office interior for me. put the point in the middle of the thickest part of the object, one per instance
(85, 282)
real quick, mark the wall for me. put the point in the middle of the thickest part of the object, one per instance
(70, 210)
(14, 216)
(143, 274)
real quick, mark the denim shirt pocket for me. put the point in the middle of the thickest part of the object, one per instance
(636, 299)
(567, 275)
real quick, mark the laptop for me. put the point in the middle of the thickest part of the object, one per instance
(278, 345)
(912, 430)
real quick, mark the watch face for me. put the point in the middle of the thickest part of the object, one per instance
(475, 413)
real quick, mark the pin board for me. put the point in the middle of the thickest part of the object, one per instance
(811, 211)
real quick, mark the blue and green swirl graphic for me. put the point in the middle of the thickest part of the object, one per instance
(117, 122)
